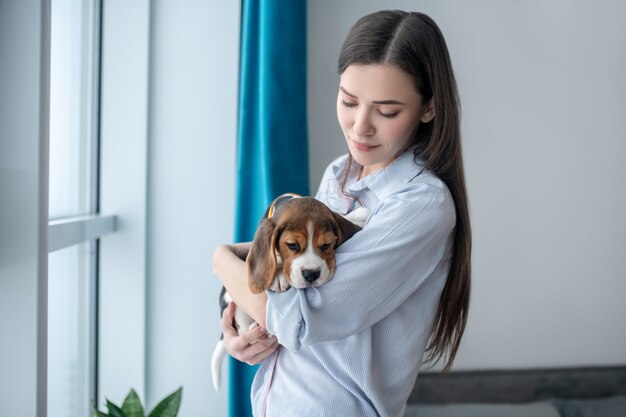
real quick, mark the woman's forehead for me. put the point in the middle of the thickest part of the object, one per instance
(376, 82)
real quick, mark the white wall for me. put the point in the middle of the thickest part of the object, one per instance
(193, 96)
(542, 88)
(123, 177)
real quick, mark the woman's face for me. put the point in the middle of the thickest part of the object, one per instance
(379, 110)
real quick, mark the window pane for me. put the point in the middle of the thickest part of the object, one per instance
(72, 104)
(73, 192)
(70, 331)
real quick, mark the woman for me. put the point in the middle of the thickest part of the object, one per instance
(354, 346)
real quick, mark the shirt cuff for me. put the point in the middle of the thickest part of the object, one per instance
(284, 317)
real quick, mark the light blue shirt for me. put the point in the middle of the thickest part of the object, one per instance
(354, 346)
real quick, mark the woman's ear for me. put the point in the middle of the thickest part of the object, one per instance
(261, 260)
(429, 112)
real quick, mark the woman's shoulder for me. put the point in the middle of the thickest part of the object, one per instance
(407, 177)
(333, 173)
(329, 191)
(425, 192)
(428, 179)
(426, 183)
(335, 168)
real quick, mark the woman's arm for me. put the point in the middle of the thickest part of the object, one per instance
(230, 266)
(251, 346)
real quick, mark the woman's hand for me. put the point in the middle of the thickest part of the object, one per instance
(229, 266)
(252, 346)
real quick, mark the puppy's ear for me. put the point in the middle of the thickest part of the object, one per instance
(261, 260)
(345, 228)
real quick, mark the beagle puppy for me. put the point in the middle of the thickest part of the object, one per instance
(294, 246)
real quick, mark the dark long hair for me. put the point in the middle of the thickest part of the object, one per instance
(413, 42)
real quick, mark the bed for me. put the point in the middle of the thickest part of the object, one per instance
(569, 392)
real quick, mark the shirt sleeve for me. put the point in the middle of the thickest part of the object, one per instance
(407, 237)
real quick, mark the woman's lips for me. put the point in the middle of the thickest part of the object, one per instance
(363, 147)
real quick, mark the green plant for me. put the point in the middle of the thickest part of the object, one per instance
(168, 407)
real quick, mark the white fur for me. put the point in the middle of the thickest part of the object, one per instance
(358, 216)
(219, 353)
(280, 283)
(242, 322)
(309, 260)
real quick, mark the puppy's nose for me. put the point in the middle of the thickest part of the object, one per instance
(311, 274)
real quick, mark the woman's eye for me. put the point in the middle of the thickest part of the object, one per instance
(388, 115)
(325, 247)
(293, 246)
(348, 104)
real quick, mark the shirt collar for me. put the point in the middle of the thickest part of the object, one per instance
(382, 182)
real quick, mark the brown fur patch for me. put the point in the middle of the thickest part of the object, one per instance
(289, 227)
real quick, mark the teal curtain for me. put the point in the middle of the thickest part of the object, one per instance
(272, 156)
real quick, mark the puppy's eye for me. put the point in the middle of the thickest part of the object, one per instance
(325, 247)
(293, 246)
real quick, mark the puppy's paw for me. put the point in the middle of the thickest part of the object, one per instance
(252, 326)
(358, 216)
(280, 283)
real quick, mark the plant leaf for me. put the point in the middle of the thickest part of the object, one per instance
(169, 406)
(114, 410)
(132, 405)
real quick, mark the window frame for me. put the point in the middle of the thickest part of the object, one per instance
(90, 228)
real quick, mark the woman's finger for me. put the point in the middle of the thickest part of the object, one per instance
(261, 356)
(254, 335)
(227, 319)
(257, 353)
(249, 338)
(249, 353)
(260, 346)
(252, 346)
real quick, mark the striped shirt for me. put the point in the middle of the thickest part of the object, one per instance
(354, 346)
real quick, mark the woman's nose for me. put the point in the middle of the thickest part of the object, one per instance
(363, 124)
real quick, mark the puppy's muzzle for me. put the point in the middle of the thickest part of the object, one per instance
(310, 275)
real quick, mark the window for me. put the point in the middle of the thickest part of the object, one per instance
(73, 207)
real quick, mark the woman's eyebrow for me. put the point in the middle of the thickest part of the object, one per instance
(345, 91)
(387, 102)
(373, 102)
